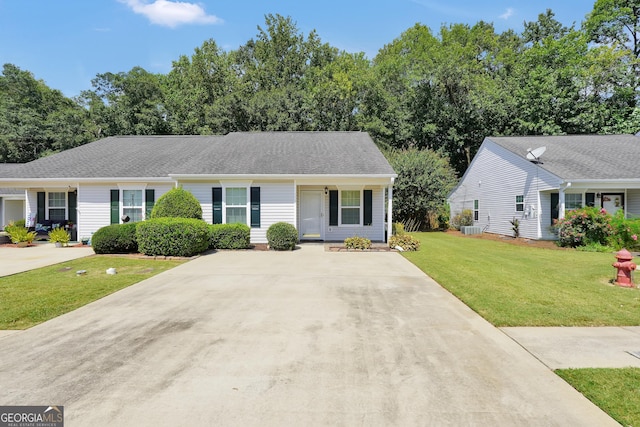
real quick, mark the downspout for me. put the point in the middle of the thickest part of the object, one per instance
(390, 210)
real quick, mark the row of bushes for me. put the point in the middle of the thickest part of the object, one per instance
(169, 237)
(184, 237)
(176, 229)
(594, 227)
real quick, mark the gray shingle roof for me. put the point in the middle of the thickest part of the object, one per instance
(589, 157)
(7, 169)
(259, 153)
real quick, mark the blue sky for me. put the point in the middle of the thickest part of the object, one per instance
(67, 42)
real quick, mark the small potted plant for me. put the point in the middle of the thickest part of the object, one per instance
(59, 236)
(21, 236)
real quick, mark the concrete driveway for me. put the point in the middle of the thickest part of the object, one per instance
(17, 260)
(302, 338)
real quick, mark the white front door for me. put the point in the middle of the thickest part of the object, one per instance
(311, 215)
(612, 203)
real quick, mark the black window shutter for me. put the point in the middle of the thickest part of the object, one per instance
(40, 207)
(555, 209)
(72, 197)
(255, 207)
(333, 207)
(115, 206)
(149, 201)
(217, 205)
(590, 199)
(368, 207)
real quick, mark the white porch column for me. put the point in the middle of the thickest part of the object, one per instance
(561, 203)
(390, 210)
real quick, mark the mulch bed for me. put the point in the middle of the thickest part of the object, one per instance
(518, 241)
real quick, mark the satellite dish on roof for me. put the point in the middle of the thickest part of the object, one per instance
(535, 154)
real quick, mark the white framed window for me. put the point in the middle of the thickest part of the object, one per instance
(133, 204)
(519, 203)
(57, 205)
(476, 210)
(350, 207)
(236, 205)
(572, 201)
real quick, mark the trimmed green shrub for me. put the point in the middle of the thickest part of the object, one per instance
(229, 236)
(581, 227)
(282, 236)
(462, 219)
(115, 239)
(625, 232)
(173, 236)
(177, 203)
(356, 242)
(406, 241)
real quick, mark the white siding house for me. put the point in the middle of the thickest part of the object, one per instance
(329, 185)
(502, 184)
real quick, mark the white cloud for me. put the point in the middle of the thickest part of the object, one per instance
(508, 14)
(171, 13)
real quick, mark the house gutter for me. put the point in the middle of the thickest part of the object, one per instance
(604, 183)
(278, 176)
(38, 181)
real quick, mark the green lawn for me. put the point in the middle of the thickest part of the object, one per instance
(524, 286)
(615, 391)
(33, 297)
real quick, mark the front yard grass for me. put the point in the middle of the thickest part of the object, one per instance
(513, 285)
(615, 391)
(33, 297)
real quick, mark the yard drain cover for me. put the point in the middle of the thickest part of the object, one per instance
(635, 353)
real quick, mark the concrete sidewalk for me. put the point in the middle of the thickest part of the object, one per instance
(17, 260)
(572, 347)
(297, 338)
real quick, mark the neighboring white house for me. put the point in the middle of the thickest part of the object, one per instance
(570, 172)
(330, 185)
(11, 199)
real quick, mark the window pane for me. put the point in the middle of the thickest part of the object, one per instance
(351, 216)
(57, 200)
(131, 198)
(351, 198)
(519, 199)
(573, 201)
(237, 215)
(236, 196)
(56, 214)
(134, 214)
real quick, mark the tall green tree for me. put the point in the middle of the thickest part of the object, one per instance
(424, 181)
(35, 119)
(272, 70)
(201, 94)
(128, 103)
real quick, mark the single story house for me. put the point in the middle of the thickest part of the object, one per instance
(329, 185)
(536, 179)
(11, 199)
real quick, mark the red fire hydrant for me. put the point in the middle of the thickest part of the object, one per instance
(625, 267)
